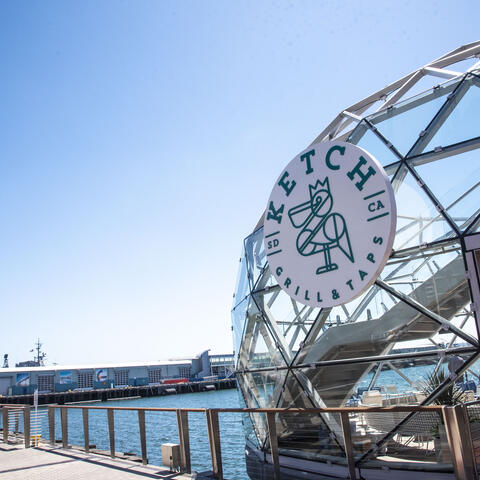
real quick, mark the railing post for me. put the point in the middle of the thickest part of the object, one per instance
(143, 436)
(272, 434)
(347, 439)
(64, 422)
(214, 441)
(184, 437)
(86, 432)
(26, 425)
(111, 431)
(460, 442)
(51, 424)
(5, 424)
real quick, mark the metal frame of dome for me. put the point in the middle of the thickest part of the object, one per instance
(288, 354)
(394, 92)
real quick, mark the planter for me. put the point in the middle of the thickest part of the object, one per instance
(475, 431)
(442, 448)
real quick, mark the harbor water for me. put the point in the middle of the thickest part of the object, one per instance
(161, 427)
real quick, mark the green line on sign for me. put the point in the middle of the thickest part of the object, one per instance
(273, 253)
(374, 195)
(378, 216)
(272, 234)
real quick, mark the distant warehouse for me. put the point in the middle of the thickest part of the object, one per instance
(56, 378)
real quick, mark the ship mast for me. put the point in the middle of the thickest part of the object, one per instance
(40, 356)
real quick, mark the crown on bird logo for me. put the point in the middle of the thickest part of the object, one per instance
(319, 186)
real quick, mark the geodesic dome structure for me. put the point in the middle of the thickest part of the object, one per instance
(421, 315)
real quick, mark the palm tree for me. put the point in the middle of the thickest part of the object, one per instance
(449, 396)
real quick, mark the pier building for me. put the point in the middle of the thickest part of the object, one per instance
(321, 320)
(62, 378)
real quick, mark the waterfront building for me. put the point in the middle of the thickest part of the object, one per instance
(63, 378)
(221, 365)
(417, 320)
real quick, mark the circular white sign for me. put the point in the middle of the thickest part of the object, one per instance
(329, 224)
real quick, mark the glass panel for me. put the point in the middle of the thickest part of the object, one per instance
(397, 383)
(306, 435)
(242, 285)
(418, 221)
(254, 423)
(334, 385)
(425, 84)
(303, 434)
(462, 122)
(473, 374)
(239, 316)
(370, 305)
(247, 421)
(429, 276)
(422, 437)
(420, 444)
(466, 209)
(294, 395)
(474, 227)
(365, 138)
(247, 394)
(387, 324)
(258, 349)
(383, 383)
(402, 123)
(439, 283)
(265, 280)
(455, 181)
(255, 254)
(292, 318)
(265, 386)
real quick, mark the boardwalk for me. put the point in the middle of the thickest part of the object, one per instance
(54, 463)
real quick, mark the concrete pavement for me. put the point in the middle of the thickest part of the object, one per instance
(56, 463)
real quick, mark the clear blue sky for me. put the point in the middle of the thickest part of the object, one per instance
(139, 143)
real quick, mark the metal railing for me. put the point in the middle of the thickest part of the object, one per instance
(456, 421)
(11, 418)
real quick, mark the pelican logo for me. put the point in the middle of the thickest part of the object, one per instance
(322, 230)
(330, 224)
